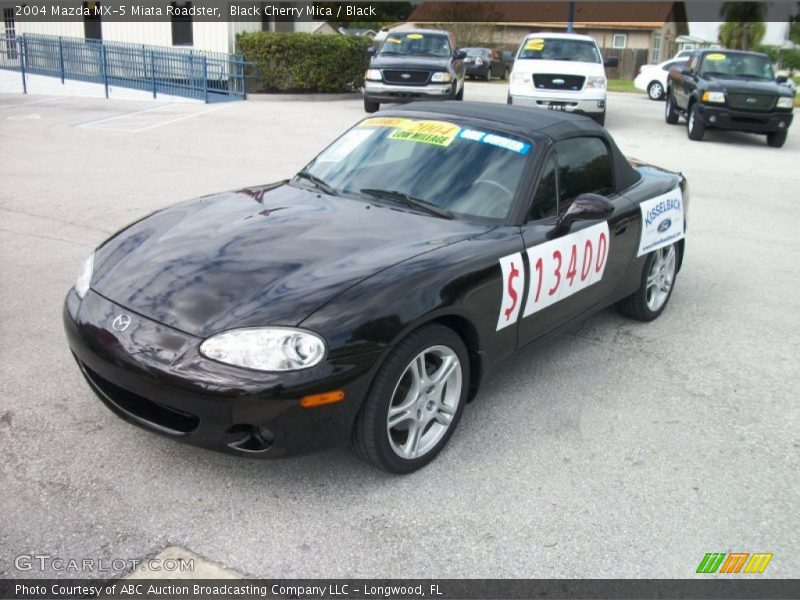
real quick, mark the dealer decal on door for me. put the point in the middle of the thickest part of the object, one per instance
(559, 268)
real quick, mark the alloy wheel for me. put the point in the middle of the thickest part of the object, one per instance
(660, 277)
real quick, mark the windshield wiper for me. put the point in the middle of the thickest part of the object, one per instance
(403, 198)
(319, 183)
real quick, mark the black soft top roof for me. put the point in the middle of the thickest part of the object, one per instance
(533, 123)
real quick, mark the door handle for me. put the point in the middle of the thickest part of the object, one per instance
(622, 229)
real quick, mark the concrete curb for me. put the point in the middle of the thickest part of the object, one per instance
(304, 97)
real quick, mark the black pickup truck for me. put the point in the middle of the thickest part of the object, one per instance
(729, 89)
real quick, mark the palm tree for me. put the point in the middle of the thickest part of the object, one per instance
(744, 25)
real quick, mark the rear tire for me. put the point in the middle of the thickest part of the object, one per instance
(509, 101)
(415, 401)
(776, 139)
(650, 300)
(370, 106)
(655, 90)
(670, 114)
(695, 128)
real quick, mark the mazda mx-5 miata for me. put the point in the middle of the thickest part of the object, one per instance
(363, 300)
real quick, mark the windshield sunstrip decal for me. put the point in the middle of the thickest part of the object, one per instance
(495, 140)
(558, 269)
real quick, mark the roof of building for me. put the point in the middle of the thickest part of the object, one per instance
(588, 15)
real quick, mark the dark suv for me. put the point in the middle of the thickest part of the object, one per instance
(416, 64)
(729, 89)
(485, 63)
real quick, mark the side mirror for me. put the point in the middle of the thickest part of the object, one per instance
(459, 55)
(586, 207)
(781, 79)
(611, 62)
(371, 51)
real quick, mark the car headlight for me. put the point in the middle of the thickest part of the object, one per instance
(85, 278)
(785, 102)
(596, 82)
(441, 77)
(373, 75)
(266, 349)
(714, 97)
(521, 78)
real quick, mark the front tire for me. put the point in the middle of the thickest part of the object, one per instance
(415, 401)
(658, 281)
(655, 90)
(670, 114)
(695, 128)
(776, 139)
(370, 106)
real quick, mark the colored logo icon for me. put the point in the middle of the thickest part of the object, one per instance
(736, 562)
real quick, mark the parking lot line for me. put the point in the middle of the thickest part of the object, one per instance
(132, 122)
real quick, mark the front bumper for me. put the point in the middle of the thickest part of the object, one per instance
(378, 91)
(742, 120)
(593, 103)
(154, 377)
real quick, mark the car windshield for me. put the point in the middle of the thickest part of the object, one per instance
(435, 164)
(559, 49)
(415, 43)
(737, 64)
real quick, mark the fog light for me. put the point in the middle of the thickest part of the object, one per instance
(713, 119)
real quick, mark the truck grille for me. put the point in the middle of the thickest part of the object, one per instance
(406, 77)
(573, 83)
(751, 101)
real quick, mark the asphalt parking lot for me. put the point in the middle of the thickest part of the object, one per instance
(619, 450)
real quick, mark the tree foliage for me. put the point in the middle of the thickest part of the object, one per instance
(744, 26)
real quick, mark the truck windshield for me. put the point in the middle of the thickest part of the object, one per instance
(559, 49)
(737, 64)
(414, 43)
(456, 170)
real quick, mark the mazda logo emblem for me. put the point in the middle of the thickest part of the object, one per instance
(121, 322)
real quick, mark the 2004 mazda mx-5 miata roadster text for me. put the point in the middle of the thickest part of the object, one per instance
(363, 300)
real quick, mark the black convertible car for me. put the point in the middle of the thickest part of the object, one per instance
(364, 300)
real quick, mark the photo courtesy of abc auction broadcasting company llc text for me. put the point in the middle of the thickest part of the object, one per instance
(377, 299)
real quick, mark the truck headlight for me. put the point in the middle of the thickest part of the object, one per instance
(598, 83)
(373, 75)
(714, 97)
(521, 78)
(441, 77)
(266, 349)
(85, 278)
(785, 102)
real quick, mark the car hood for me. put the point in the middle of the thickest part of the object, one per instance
(743, 86)
(410, 61)
(260, 256)
(558, 67)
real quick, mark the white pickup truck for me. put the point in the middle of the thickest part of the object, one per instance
(561, 71)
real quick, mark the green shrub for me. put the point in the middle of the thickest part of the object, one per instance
(304, 62)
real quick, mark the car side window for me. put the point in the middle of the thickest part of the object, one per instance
(584, 167)
(545, 200)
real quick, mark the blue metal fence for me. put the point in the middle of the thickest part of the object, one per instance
(207, 76)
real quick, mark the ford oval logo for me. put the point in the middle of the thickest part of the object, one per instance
(752, 100)
(121, 322)
(664, 225)
(558, 82)
(406, 75)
